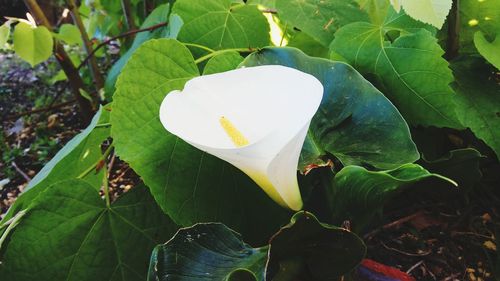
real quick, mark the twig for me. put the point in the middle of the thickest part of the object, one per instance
(23, 174)
(119, 177)
(128, 33)
(395, 223)
(405, 253)
(29, 112)
(269, 11)
(414, 266)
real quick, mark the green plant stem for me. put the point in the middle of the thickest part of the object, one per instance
(92, 63)
(105, 184)
(127, 12)
(11, 224)
(199, 47)
(94, 165)
(208, 56)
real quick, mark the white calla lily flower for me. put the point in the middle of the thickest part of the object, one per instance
(255, 118)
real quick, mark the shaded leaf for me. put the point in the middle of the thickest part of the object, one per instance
(70, 234)
(461, 165)
(320, 19)
(32, 44)
(360, 195)
(209, 251)
(304, 247)
(355, 122)
(190, 185)
(489, 50)
(221, 24)
(478, 100)
(324, 252)
(477, 16)
(410, 69)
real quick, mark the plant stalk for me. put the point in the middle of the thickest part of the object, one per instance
(127, 11)
(92, 62)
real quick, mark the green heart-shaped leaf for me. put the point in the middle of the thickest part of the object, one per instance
(32, 44)
(222, 24)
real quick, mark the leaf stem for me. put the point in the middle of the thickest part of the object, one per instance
(105, 184)
(94, 165)
(12, 223)
(199, 47)
(208, 56)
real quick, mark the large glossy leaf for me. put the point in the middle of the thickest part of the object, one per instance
(158, 15)
(207, 251)
(305, 249)
(429, 11)
(32, 44)
(70, 234)
(489, 50)
(320, 19)
(189, 185)
(478, 100)
(359, 195)
(355, 122)
(74, 158)
(409, 69)
(222, 24)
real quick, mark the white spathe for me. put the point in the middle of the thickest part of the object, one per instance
(271, 106)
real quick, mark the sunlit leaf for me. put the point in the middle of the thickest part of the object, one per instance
(70, 34)
(32, 44)
(320, 19)
(429, 11)
(408, 67)
(222, 24)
